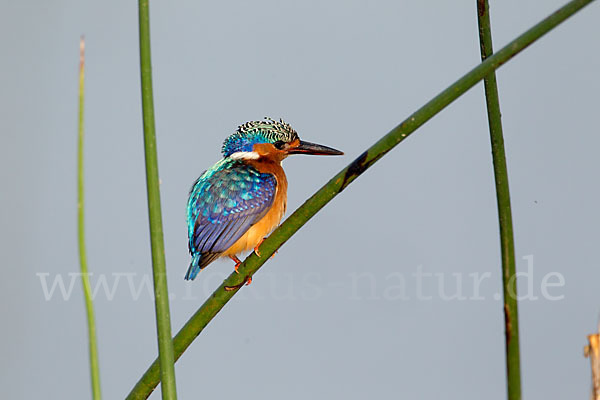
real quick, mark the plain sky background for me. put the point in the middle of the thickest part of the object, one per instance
(328, 316)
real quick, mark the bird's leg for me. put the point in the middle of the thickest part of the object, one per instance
(237, 263)
(257, 246)
(247, 281)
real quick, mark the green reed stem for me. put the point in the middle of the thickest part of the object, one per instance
(161, 291)
(85, 278)
(339, 182)
(507, 246)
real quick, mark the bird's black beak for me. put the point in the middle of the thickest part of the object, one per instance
(314, 149)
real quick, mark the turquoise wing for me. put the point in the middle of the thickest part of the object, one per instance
(224, 203)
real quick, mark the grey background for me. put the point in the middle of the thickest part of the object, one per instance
(343, 73)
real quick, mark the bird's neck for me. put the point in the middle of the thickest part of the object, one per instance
(266, 165)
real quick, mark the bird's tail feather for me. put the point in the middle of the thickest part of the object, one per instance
(199, 262)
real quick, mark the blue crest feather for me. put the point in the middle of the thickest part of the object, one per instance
(250, 133)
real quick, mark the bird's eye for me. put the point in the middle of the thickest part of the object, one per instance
(279, 145)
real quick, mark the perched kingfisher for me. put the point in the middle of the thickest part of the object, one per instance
(238, 201)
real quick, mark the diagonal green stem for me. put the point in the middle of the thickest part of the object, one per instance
(85, 278)
(161, 291)
(220, 297)
(507, 246)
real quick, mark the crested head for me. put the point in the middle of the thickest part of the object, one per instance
(256, 132)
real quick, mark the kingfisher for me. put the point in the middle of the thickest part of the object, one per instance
(238, 201)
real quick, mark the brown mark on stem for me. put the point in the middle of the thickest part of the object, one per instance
(481, 7)
(357, 167)
(507, 323)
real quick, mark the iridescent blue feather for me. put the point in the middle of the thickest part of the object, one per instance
(224, 203)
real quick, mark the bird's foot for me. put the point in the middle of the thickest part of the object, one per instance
(246, 282)
(257, 246)
(237, 263)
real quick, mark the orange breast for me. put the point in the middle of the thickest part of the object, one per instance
(272, 218)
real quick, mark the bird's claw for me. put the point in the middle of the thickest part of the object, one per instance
(246, 282)
(257, 246)
(237, 262)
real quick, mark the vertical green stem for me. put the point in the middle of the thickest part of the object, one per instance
(161, 291)
(85, 278)
(507, 246)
